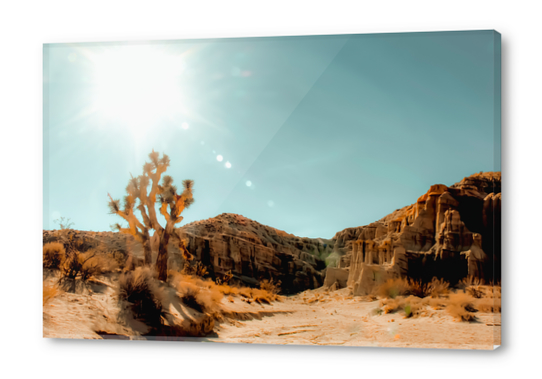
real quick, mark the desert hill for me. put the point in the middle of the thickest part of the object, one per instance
(450, 232)
(253, 251)
(230, 242)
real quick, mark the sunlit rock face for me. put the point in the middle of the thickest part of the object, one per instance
(253, 252)
(450, 232)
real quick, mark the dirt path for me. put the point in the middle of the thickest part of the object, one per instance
(339, 319)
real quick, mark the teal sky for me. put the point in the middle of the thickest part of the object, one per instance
(316, 134)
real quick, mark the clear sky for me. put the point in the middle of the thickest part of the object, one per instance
(310, 135)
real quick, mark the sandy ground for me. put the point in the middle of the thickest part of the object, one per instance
(346, 321)
(337, 319)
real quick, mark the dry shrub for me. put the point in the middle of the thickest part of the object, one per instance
(473, 286)
(227, 290)
(49, 292)
(225, 278)
(270, 286)
(392, 305)
(419, 289)
(402, 287)
(475, 291)
(413, 306)
(262, 296)
(460, 306)
(437, 304)
(392, 288)
(197, 270)
(200, 295)
(438, 287)
(86, 265)
(488, 305)
(205, 296)
(94, 264)
(132, 263)
(140, 288)
(71, 266)
(53, 255)
(470, 281)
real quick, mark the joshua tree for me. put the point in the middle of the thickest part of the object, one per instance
(171, 206)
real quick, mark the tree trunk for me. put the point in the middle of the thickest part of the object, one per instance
(147, 252)
(161, 260)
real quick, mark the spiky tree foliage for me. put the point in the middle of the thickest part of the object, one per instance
(142, 193)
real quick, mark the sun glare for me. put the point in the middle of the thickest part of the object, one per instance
(137, 85)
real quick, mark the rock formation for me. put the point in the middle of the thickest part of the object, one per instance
(253, 251)
(230, 242)
(450, 232)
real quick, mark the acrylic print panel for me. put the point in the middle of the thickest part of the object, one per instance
(315, 190)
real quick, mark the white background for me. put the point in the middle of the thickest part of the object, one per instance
(25, 25)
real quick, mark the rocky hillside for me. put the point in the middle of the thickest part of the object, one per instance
(253, 251)
(230, 242)
(450, 232)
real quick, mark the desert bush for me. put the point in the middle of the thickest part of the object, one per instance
(488, 305)
(227, 290)
(392, 305)
(437, 303)
(460, 306)
(412, 306)
(71, 267)
(225, 278)
(49, 292)
(140, 289)
(270, 286)
(196, 293)
(53, 255)
(95, 263)
(120, 257)
(86, 265)
(438, 287)
(392, 288)
(197, 269)
(417, 288)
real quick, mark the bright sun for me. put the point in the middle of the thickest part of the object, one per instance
(137, 86)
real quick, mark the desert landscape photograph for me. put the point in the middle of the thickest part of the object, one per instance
(337, 190)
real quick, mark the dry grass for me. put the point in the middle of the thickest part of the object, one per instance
(412, 306)
(438, 288)
(87, 265)
(437, 295)
(196, 293)
(49, 292)
(197, 269)
(140, 289)
(53, 255)
(392, 288)
(460, 306)
(96, 263)
(488, 305)
(270, 286)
